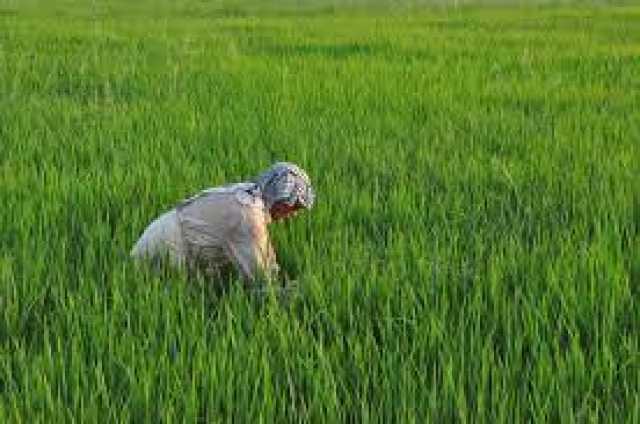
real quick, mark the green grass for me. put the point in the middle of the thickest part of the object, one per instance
(474, 255)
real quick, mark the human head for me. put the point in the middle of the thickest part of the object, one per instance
(285, 189)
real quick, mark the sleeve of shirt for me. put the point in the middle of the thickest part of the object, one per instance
(250, 248)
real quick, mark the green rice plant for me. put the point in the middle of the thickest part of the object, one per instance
(474, 254)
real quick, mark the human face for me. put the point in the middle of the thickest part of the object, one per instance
(282, 211)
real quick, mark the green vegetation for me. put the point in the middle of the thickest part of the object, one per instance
(474, 254)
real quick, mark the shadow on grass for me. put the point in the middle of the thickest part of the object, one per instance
(330, 51)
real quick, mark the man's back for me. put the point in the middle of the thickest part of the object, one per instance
(212, 230)
(227, 225)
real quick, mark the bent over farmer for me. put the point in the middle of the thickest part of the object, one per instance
(226, 227)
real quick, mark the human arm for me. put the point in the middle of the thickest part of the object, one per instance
(250, 248)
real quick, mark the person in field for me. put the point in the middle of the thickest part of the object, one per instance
(223, 228)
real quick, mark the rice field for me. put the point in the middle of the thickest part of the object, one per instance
(474, 254)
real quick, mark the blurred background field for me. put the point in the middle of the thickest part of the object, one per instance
(474, 253)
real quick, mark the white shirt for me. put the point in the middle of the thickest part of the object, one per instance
(216, 228)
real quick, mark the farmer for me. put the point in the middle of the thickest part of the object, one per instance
(226, 227)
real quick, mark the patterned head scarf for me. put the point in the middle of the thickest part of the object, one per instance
(286, 182)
